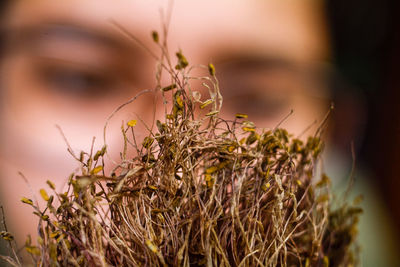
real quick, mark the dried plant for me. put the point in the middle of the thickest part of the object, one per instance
(201, 190)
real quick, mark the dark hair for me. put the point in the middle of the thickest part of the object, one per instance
(4, 5)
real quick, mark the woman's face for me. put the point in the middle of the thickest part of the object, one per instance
(67, 64)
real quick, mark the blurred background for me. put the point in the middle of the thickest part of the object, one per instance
(63, 62)
(365, 45)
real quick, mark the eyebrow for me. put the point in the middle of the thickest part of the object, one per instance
(255, 61)
(44, 32)
(248, 62)
(243, 61)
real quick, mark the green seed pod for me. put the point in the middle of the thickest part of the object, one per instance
(169, 88)
(241, 116)
(211, 69)
(147, 142)
(182, 61)
(206, 103)
(155, 36)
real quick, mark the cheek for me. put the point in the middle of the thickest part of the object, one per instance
(30, 112)
(30, 143)
(308, 114)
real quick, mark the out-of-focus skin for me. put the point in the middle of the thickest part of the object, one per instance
(66, 64)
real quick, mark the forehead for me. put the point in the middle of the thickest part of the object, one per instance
(289, 28)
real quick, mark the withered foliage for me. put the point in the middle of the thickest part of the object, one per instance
(201, 191)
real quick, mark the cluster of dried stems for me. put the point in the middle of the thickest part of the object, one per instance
(201, 191)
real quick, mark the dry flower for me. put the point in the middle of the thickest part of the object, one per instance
(194, 195)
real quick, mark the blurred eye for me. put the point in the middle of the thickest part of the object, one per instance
(75, 82)
(256, 93)
(255, 104)
(262, 87)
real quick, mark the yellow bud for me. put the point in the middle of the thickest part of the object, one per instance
(27, 201)
(97, 169)
(241, 116)
(211, 69)
(132, 123)
(44, 195)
